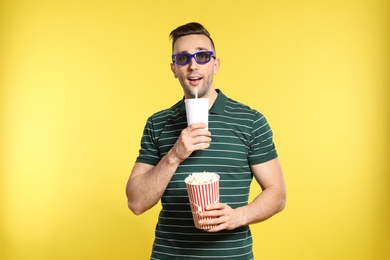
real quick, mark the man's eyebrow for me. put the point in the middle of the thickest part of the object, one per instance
(202, 49)
(197, 49)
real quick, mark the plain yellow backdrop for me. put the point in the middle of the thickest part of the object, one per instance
(78, 80)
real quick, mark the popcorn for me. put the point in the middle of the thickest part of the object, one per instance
(203, 190)
(198, 178)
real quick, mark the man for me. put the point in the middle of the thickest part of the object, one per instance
(238, 146)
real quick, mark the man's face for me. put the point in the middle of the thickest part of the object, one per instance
(194, 75)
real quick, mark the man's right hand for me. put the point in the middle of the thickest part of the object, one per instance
(194, 137)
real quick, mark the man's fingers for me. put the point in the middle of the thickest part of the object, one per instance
(198, 126)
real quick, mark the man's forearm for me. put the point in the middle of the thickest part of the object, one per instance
(271, 201)
(145, 190)
(147, 184)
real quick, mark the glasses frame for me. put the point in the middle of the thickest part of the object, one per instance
(190, 56)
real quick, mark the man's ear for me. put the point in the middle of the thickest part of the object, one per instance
(173, 68)
(217, 63)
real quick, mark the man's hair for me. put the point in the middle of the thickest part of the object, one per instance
(188, 29)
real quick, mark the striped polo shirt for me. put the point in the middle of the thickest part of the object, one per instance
(241, 137)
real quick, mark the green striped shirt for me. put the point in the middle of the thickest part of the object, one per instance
(241, 137)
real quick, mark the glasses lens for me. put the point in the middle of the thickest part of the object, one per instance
(202, 57)
(182, 58)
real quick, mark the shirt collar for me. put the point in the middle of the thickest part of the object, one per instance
(217, 108)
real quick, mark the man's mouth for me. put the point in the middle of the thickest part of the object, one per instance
(194, 80)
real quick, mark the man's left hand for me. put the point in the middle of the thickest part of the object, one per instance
(223, 216)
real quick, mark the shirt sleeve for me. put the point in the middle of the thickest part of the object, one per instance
(262, 147)
(148, 153)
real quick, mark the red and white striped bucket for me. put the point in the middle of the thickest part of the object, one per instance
(200, 196)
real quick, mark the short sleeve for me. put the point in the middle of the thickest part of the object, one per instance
(262, 147)
(148, 153)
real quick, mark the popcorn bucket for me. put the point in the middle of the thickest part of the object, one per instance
(200, 196)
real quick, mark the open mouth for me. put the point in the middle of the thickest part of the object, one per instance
(194, 80)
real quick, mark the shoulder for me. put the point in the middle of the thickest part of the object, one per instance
(167, 113)
(242, 110)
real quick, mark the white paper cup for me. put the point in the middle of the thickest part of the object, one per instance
(197, 110)
(200, 196)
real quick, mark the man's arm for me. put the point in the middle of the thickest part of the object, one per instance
(147, 183)
(269, 202)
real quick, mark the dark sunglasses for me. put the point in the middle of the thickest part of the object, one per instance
(201, 57)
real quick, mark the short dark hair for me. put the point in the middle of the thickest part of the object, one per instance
(188, 29)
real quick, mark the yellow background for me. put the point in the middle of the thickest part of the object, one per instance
(79, 78)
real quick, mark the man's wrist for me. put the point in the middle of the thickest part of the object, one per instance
(172, 159)
(242, 217)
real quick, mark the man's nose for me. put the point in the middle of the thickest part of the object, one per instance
(193, 65)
